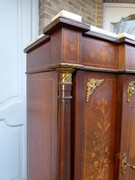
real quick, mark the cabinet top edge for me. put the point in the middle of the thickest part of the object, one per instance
(65, 66)
(85, 29)
(65, 22)
(36, 42)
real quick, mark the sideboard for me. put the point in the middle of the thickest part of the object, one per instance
(80, 104)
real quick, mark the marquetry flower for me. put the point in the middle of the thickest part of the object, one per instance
(104, 101)
(98, 102)
(72, 48)
(106, 163)
(101, 104)
(100, 177)
(96, 163)
(106, 149)
(93, 154)
(92, 54)
(104, 55)
(94, 143)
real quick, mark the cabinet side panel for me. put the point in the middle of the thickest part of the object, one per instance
(42, 126)
(99, 126)
(39, 58)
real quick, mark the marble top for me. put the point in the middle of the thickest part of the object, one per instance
(77, 18)
(68, 15)
(110, 34)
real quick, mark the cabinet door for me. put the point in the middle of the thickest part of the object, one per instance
(128, 129)
(95, 121)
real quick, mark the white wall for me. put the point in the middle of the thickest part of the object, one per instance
(19, 25)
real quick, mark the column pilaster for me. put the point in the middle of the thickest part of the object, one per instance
(64, 122)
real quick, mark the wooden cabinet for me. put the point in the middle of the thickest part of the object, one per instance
(81, 105)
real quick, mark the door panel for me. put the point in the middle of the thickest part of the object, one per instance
(128, 129)
(98, 134)
(99, 127)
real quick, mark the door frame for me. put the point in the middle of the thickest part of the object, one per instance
(31, 20)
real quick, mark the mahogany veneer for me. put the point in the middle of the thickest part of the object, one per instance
(81, 105)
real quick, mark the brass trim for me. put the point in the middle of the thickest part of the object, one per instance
(53, 67)
(125, 164)
(65, 78)
(91, 86)
(65, 75)
(83, 67)
(130, 90)
(66, 65)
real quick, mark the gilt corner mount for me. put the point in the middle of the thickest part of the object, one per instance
(91, 86)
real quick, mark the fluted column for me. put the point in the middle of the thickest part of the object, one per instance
(64, 123)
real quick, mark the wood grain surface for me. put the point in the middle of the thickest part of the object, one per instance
(42, 126)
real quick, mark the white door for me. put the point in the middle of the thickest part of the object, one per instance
(16, 30)
(114, 12)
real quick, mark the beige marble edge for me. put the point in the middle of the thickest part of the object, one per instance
(78, 18)
(35, 40)
(110, 34)
(68, 15)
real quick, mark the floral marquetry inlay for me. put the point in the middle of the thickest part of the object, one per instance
(99, 54)
(99, 153)
(91, 86)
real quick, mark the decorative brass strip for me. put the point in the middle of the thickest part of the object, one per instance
(130, 90)
(91, 86)
(125, 164)
(53, 67)
(83, 67)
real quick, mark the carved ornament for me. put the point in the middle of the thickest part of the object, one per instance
(125, 164)
(130, 90)
(91, 86)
